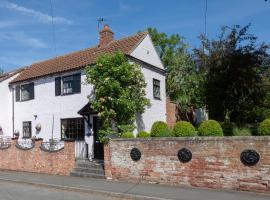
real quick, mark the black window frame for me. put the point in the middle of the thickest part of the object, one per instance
(78, 124)
(156, 86)
(19, 90)
(27, 125)
(75, 82)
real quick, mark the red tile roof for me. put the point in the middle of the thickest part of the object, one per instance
(79, 59)
(8, 75)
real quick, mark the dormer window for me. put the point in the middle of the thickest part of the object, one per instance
(25, 92)
(68, 85)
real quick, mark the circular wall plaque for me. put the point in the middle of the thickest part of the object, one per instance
(184, 155)
(135, 154)
(249, 157)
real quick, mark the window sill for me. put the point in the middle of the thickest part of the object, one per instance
(157, 98)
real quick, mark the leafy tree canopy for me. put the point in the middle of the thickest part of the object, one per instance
(184, 81)
(119, 90)
(235, 67)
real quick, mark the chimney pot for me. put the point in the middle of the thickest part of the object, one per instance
(105, 36)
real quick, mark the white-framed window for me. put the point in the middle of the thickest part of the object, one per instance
(68, 85)
(25, 92)
(27, 129)
(156, 89)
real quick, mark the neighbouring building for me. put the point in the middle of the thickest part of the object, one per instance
(49, 99)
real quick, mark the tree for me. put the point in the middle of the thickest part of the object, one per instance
(119, 90)
(234, 65)
(1, 71)
(184, 81)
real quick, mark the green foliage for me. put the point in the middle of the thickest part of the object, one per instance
(119, 90)
(126, 128)
(210, 128)
(241, 131)
(184, 81)
(106, 133)
(1, 71)
(143, 134)
(164, 133)
(159, 128)
(264, 127)
(235, 67)
(127, 135)
(184, 129)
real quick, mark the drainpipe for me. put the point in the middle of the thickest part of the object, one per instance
(13, 111)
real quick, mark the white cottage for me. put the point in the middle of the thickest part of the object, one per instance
(49, 99)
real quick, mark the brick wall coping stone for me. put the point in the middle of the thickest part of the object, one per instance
(255, 138)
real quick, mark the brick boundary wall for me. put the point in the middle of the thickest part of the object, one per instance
(35, 160)
(215, 162)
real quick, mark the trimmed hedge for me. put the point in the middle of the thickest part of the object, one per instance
(143, 134)
(184, 129)
(210, 128)
(165, 133)
(244, 131)
(127, 135)
(264, 127)
(159, 128)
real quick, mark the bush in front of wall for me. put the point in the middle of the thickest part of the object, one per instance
(210, 128)
(165, 133)
(184, 129)
(127, 135)
(143, 134)
(244, 131)
(159, 128)
(264, 127)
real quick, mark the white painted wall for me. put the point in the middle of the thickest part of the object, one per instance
(147, 53)
(6, 107)
(157, 110)
(46, 106)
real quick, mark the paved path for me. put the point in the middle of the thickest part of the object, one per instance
(89, 188)
(15, 191)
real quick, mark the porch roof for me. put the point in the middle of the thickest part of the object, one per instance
(87, 110)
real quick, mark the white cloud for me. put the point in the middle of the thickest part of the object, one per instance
(43, 17)
(22, 38)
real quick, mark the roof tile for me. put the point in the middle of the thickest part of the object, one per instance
(79, 59)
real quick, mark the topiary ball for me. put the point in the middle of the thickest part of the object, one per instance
(264, 127)
(158, 128)
(165, 133)
(127, 135)
(143, 134)
(184, 129)
(210, 128)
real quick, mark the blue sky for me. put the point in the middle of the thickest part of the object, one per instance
(26, 30)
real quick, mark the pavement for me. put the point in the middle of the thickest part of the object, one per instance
(55, 187)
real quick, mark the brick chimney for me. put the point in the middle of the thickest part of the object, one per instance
(105, 36)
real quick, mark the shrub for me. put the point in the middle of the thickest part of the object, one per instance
(241, 131)
(165, 133)
(143, 134)
(264, 127)
(158, 128)
(184, 129)
(210, 128)
(127, 135)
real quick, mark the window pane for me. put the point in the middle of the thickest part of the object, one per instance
(156, 89)
(27, 130)
(27, 91)
(72, 128)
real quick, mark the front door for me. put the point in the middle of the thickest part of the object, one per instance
(98, 146)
